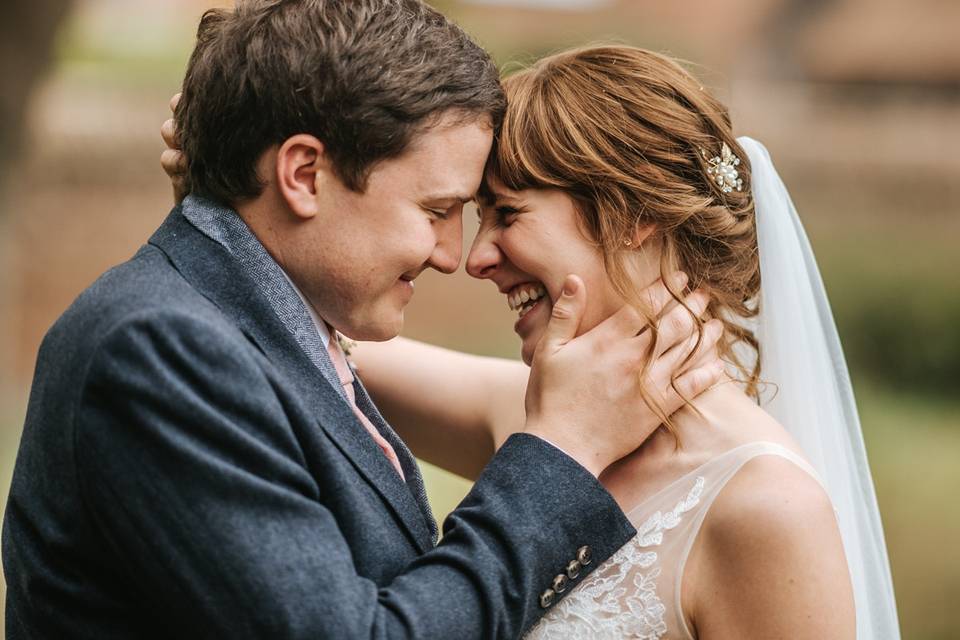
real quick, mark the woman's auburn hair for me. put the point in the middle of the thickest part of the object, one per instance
(624, 131)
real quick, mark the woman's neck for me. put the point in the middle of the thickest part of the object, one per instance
(714, 424)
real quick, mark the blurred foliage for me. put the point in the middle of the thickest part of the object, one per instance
(895, 293)
(913, 345)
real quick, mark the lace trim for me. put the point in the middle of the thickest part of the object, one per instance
(606, 604)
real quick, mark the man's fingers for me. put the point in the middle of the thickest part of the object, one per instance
(628, 321)
(168, 131)
(566, 315)
(173, 162)
(707, 351)
(694, 351)
(657, 296)
(174, 101)
(693, 383)
(680, 322)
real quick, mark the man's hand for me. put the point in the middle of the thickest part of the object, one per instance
(584, 393)
(172, 160)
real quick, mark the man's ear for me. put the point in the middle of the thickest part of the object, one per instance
(302, 169)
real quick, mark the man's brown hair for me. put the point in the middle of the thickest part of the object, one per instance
(363, 76)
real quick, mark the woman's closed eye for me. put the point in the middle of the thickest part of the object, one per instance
(505, 214)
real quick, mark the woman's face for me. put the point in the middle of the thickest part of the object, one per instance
(527, 244)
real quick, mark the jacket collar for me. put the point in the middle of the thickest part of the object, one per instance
(216, 274)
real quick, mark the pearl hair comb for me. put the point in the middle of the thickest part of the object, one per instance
(723, 169)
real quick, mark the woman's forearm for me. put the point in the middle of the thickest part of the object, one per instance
(453, 409)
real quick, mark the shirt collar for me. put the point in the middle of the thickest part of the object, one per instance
(321, 324)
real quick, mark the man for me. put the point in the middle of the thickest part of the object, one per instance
(197, 460)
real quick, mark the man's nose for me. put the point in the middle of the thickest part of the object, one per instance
(484, 256)
(446, 253)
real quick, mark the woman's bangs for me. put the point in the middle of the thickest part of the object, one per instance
(520, 158)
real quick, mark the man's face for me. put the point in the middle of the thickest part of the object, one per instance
(369, 247)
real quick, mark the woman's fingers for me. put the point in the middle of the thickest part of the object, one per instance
(168, 131)
(174, 163)
(172, 159)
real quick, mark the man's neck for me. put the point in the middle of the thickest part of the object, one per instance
(265, 219)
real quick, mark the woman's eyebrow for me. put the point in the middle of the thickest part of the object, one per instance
(505, 198)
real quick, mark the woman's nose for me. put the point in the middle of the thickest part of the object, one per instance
(484, 256)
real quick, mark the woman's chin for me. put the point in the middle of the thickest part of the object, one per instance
(528, 348)
(527, 355)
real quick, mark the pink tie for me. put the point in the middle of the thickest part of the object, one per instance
(346, 379)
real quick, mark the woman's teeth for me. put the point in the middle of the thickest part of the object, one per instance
(524, 297)
(525, 309)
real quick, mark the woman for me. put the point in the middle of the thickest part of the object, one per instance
(737, 536)
(737, 533)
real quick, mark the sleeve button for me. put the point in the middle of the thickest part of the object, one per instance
(573, 569)
(584, 555)
(560, 583)
(546, 598)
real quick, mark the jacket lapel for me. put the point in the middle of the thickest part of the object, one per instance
(410, 467)
(210, 269)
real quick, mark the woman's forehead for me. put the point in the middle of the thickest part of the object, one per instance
(493, 189)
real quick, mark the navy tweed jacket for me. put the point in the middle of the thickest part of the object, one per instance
(186, 471)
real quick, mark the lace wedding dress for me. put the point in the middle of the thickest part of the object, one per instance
(636, 592)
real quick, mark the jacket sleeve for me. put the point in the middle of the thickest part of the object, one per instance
(193, 474)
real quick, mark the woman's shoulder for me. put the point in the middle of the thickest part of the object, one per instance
(772, 532)
(774, 489)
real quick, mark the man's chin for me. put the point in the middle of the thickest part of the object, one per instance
(379, 329)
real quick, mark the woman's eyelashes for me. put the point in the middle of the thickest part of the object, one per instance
(505, 214)
(501, 215)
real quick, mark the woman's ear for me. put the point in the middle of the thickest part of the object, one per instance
(302, 171)
(641, 233)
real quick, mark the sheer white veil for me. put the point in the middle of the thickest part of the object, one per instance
(812, 395)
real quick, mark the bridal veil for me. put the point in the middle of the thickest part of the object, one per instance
(811, 394)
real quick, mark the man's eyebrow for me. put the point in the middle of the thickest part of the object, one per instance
(456, 197)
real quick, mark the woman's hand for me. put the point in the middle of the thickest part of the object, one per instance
(172, 160)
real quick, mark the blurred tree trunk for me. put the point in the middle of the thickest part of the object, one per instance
(785, 31)
(27, 32)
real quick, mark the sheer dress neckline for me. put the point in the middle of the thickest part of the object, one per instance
(636, 593)
(715, 461)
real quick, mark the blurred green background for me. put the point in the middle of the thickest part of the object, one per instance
(858, 101)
